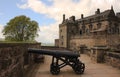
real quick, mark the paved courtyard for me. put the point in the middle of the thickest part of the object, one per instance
(92, 69)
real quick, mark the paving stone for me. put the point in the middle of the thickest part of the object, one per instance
(92, 69)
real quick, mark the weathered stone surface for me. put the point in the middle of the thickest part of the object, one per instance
(99, 29)
(113, 59)
(92, 69)
(13, 58)
(104, 55)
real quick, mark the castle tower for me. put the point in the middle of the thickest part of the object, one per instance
(63, 33)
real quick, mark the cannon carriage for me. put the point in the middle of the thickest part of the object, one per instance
(67, 58)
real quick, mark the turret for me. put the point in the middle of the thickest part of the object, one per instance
(63, 17)
(98, 11)
(72, 18)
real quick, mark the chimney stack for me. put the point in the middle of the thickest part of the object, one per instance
(63, 17)
(98, 11)
(82, 16)
(111, 7)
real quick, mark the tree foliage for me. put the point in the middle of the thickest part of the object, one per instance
(21, 28)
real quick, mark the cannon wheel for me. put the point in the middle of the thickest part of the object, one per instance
(54, 69)
(79, 68)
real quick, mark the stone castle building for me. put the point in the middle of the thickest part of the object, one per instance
(100, 29)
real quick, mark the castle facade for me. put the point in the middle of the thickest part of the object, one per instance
(100, 29)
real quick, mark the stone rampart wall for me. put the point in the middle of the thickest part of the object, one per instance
(112, 58)
(104, 55)
(14, 58)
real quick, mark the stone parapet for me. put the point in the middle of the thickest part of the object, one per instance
(113, 59)
(14, 58)
(102, 54)
(97, 53)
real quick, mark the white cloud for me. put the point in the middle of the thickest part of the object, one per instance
(47, 34)
(1, 34)
(68, 7)
(23, 6)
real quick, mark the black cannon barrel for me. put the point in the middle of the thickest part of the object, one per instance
(57, 53)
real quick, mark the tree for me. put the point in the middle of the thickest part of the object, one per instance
(21, 28)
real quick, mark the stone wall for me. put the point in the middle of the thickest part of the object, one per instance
(113, 59)
(63, 35)
(87, 51)
(76, 43)
(14, 58)
(97, 53)
(53, 48)
(113, 40)
(103, 54)
(57, 42)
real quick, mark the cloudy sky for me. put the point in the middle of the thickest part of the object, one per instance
(48, 13)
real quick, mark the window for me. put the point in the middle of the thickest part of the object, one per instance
(98, 25)
(94, 52)
(117, 30)
(109, 30)
(61, 30)
(90, 26)
(87, 31)
(62, 37)
(80, 32)
(72, 32)
(62, 43)
(90, 20)
(83, 28)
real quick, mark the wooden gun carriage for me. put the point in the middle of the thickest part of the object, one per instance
(67, 57)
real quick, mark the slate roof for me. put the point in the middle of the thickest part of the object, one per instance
(106, 13)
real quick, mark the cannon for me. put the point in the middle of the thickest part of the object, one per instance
(67, 58)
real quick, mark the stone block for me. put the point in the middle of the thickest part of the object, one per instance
(12, 59)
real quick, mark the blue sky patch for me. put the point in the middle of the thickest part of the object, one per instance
(47, 2)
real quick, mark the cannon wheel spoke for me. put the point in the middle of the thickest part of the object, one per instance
(82, 68)
(54, 69)
(79, 68)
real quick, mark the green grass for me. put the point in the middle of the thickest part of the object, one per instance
(18, 42)
(47, 44)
